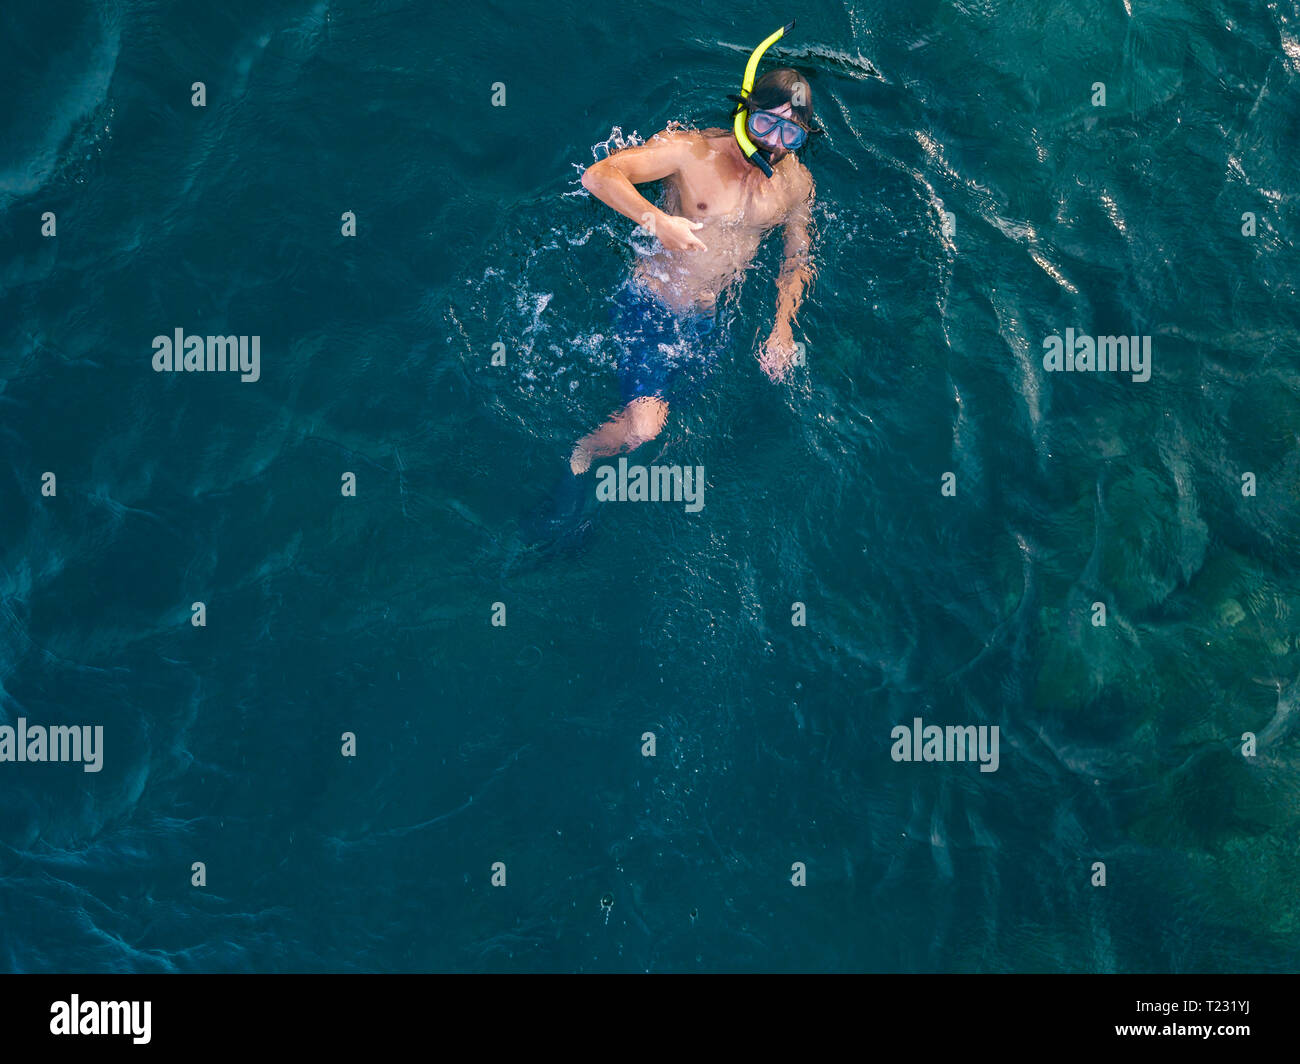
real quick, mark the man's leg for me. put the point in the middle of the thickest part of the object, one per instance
(637, 423)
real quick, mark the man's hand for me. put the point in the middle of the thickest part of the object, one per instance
(777, 354)
(676, 234)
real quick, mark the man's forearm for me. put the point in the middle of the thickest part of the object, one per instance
(618, 193)
(795, 275)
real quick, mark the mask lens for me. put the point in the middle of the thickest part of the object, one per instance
(762, 123)
(791, 135)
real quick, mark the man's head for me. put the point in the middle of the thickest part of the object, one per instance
(786, 94)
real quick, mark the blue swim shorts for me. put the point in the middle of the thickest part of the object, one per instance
(662, 353)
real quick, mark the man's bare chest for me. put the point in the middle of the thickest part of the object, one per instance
(705, 193)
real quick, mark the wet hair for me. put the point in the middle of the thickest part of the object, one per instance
(778, 87)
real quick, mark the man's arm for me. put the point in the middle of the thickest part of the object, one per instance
(613, 181)
(796, 274)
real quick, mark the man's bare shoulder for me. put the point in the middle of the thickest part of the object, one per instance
(682, 136)
(796, 189)
(693, 143)
(801, 181)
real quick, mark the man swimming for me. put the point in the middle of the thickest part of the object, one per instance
(723, 191)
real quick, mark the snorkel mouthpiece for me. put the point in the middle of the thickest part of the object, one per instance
(752, 152)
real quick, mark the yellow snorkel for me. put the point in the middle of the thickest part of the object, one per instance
(751, 150)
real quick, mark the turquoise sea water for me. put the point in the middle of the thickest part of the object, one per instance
(523, 744)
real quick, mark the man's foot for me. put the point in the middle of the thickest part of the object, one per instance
(563, 519)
